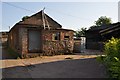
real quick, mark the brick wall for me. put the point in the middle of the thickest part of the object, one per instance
(77, 46)
(13, 39)
(23, 40)
(19, 41)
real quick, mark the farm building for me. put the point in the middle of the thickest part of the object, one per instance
(3, 38)
(112, 31)
(99, 34)
(39, 34)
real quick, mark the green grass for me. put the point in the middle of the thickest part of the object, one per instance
(100, 58)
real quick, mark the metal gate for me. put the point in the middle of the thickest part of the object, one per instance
(83, 43)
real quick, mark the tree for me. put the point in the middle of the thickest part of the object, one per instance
(103, 20)
(80, 32)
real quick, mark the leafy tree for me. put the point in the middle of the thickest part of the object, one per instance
(80, 32)
(103, 20)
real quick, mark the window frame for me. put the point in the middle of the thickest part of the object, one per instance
(56, 36)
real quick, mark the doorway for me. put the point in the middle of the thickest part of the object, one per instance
(34, 41)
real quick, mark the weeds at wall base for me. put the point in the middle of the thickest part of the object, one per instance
(13, 53)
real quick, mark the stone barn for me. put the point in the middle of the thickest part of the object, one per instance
(39, 34)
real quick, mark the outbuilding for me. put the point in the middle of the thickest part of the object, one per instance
(96, 36)
(39, 34)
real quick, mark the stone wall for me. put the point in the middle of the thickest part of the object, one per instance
(51, 47)
(57, 47)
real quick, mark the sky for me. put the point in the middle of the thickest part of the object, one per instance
(71, 15)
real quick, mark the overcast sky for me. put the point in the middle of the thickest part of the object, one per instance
(71, 15)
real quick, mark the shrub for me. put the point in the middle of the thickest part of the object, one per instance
(112, 58)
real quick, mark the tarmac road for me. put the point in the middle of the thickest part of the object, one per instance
(54, 67)
(80, 66)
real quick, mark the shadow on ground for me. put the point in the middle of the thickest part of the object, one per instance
(79, 68)
(5, 54)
